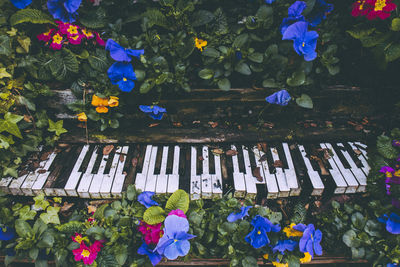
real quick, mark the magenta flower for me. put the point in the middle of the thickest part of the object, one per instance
(46, 36)
(87, 255)
(177, 212)
(76, 39)
(387, 170)
(151, 233)
(97, 245)
(99, 40)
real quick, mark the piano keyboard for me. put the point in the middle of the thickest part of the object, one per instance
(205, 171)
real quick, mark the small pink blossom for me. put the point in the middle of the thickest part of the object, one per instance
(46, 36)
(178, 213)
(97, 245)
(75, 39)
(151, 233)
(87, 255)
(99, 40)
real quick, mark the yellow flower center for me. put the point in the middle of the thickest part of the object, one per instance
(72, 29)
(57, 39)
(124, 79)
(379, 5)
(85, 253)
(47, 33)
(87, 33)
(75, 37)
(78, 239)
(388, 174)
(175, 240)
(259, 232)
(303, 44)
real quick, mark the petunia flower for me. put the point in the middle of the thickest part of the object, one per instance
(56, 42)
(392, 223)
(304, 41)
(240, 215)
(284, 245)
(319, 12)
(146, 200)
(119, 53)
(174, 242)
(199, 43)
(151, 233)
(122, 74)
(178, 213)
(307, 258)
(258, 236)
(87, 255)
(281, 98)
(310, 241)
(294, 14)
(154, 257)
(46, 36)
(64, 10)
(380, 8)
(290, 232)
(154, 111)
(6, 233)
(396, 143)
(21, 4)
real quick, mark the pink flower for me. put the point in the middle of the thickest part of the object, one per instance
(46, 36)
(62, 27)
(97, 245)
(87, 255)
(87, 33)
(75, 39)
(77, 238)
(178, 213)
(71, 30)
(99, 40)
(56, 42)
(151, 233)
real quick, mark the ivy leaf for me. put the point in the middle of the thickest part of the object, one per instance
(30, 15)
(51, 216)
(10, 171)
(25, 43)
(26, 213)
(56, 127)
(13, 118)
(9, 124)
(154, 215)
(178, 200)
(4, 73)
(305, 101)
(40, 202)
(5, 141)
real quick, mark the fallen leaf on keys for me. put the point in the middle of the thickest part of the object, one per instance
(107, 149)
(65, 208)
(307, 206)
(231, 152)
(63, 145)
(357, 151)
(22, 173)
(217, 151)
(318, 203)
(45, 156)
(35, 165)
(365, 121)
(292, 147)
(327, 155)
(257, 174)
(91, 209)
(278, 164)
(213, 124)
(200, 158)
(263, 158)
(41, 171)
(177, 124)
(134, 162)
(99, 202)
(269, 125)
(121, 158)
(328, 124)
(124, 173)
(153, 125)
(313, 124)
(259, 147)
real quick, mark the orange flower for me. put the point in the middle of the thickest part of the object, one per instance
(82, 116)
(199, 43)
(113, 101)
(101, 109)
(98, 101)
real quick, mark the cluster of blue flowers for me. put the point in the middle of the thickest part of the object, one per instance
(392, 223)
(295, 27)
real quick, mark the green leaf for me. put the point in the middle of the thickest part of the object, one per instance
(156, 17)
(10, 127)
(26, 213)
(357, 253)
(249, 261)
(13, 118)
(385, 148)
(40, 202)
(201, 17)
(23, 228)
(211, 52)
(373, 228)
(270, 83)
(46, 240)
(206, 74)
(350, 239)
(5, 45)
(33, 253)
(99, 60)
(358, 220)
(298, 78)
(51, 216)
(4, 73)
(41, 263)
(95, 19)
(360, 31)
(392, 52)
(30, 15)
(25, 43)
(154, 215)
(376, 39)
(305, 101)
(243, 68)
(178, 200)
(130, 193)
(256, 57)
(240, 40)
(224, 84)
(146, 86)
(57, 127)
(396, 24)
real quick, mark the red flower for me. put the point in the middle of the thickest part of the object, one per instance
(76, 39)
(97, 245)
(380, 8)
(88, 34)
(360, 8)
(99, 40)
(46, 36)
(56, 42)
(87, 255)
(151, 233)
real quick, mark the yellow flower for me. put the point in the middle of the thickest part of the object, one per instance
(278, 264)
(388, 174)
(397, 173)
(98, 101)
(72, 30)
(113, 101)
(265, 256)
(307, 258)
(87, 33)
(57, 39)
(199, 43)
(82, 116)
(292, 232)
(91, 209)
(101, 109)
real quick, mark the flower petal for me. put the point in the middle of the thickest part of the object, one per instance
(174, 224)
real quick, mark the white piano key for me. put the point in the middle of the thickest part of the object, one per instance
(270, 180)
(162, 178)
(337, 176)
(363, 146)
(119, 179)
(351, 181)
(97, 180)
(238, 177)
(74, 177)
(249, 179)
(151, 178)
(284, 189)
(106, 184)
(140, 182)
(290, 173)
(318, 186)
(195, 180)
(4, 183)
(84, 184)
(37, 186)
(206, 190)
(358, 173)
(216, 178)
(173, 179)
(363, 158)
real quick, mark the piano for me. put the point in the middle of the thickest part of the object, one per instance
(248, 170)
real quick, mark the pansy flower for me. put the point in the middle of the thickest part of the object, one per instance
(311, 239)
(64, 10)
(154, 257)
(269, 1)
(306, 259)
(380, 8)
(87, 255)
(244, 211)
(21, 4)
(154, 111)
(146, 200)
(178, 213)
(199, 43)
(396, 143)
(388, 171)
(304, 41)
(284, 245)
(294, 14)
(392, 265)
(56, 41)
(46, 36)
(119, 53)
(392, 223)
(6, 233)
(290, 232)
(100, 104)
(258, 236)
(122, 74)
(319, 12)
(281, 98)
(113, 101)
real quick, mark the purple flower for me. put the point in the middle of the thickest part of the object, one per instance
(146, 200)
(310, 241)
(21, 4)
(240, 215)
(304, 41)
(396, 142)
(319, 12)
(119, 53)
(294, 15)
(392, 223)
(258, 236)
(122, 74)
(281, 98)
(174, 242)
(8, 234)
(154, 257)
(284, 245)
(64, 10)
(154, 112)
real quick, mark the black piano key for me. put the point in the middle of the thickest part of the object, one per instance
(253, 163)
(239, 149)
(199, 160)
(338, 150)
(184, 179)
(110, 160)
(183, 160)
(170, 159)
(309, 151)
(282, 156)
(211, 161)
(299, 165)
(131, 164)
(227, 171)
(86, 159)
(353, 155)
(270, 161)
(98, 159)
(140, 157)
(157, 166)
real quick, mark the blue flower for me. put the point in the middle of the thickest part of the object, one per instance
(64, 10)
(281, 98)
(154, 257)
(122, 74)
(305, 41)
(155, 112)
(284, 245)
(392, 265)
(269, 1)
(310, 241)
(7, 233)
(146, 200)
(174, 242)
(240, 215)
(21, 4)
(120, 53)
(319, 12)
(392, 223)
(258, 236)
(294, 15)
(238, 55)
